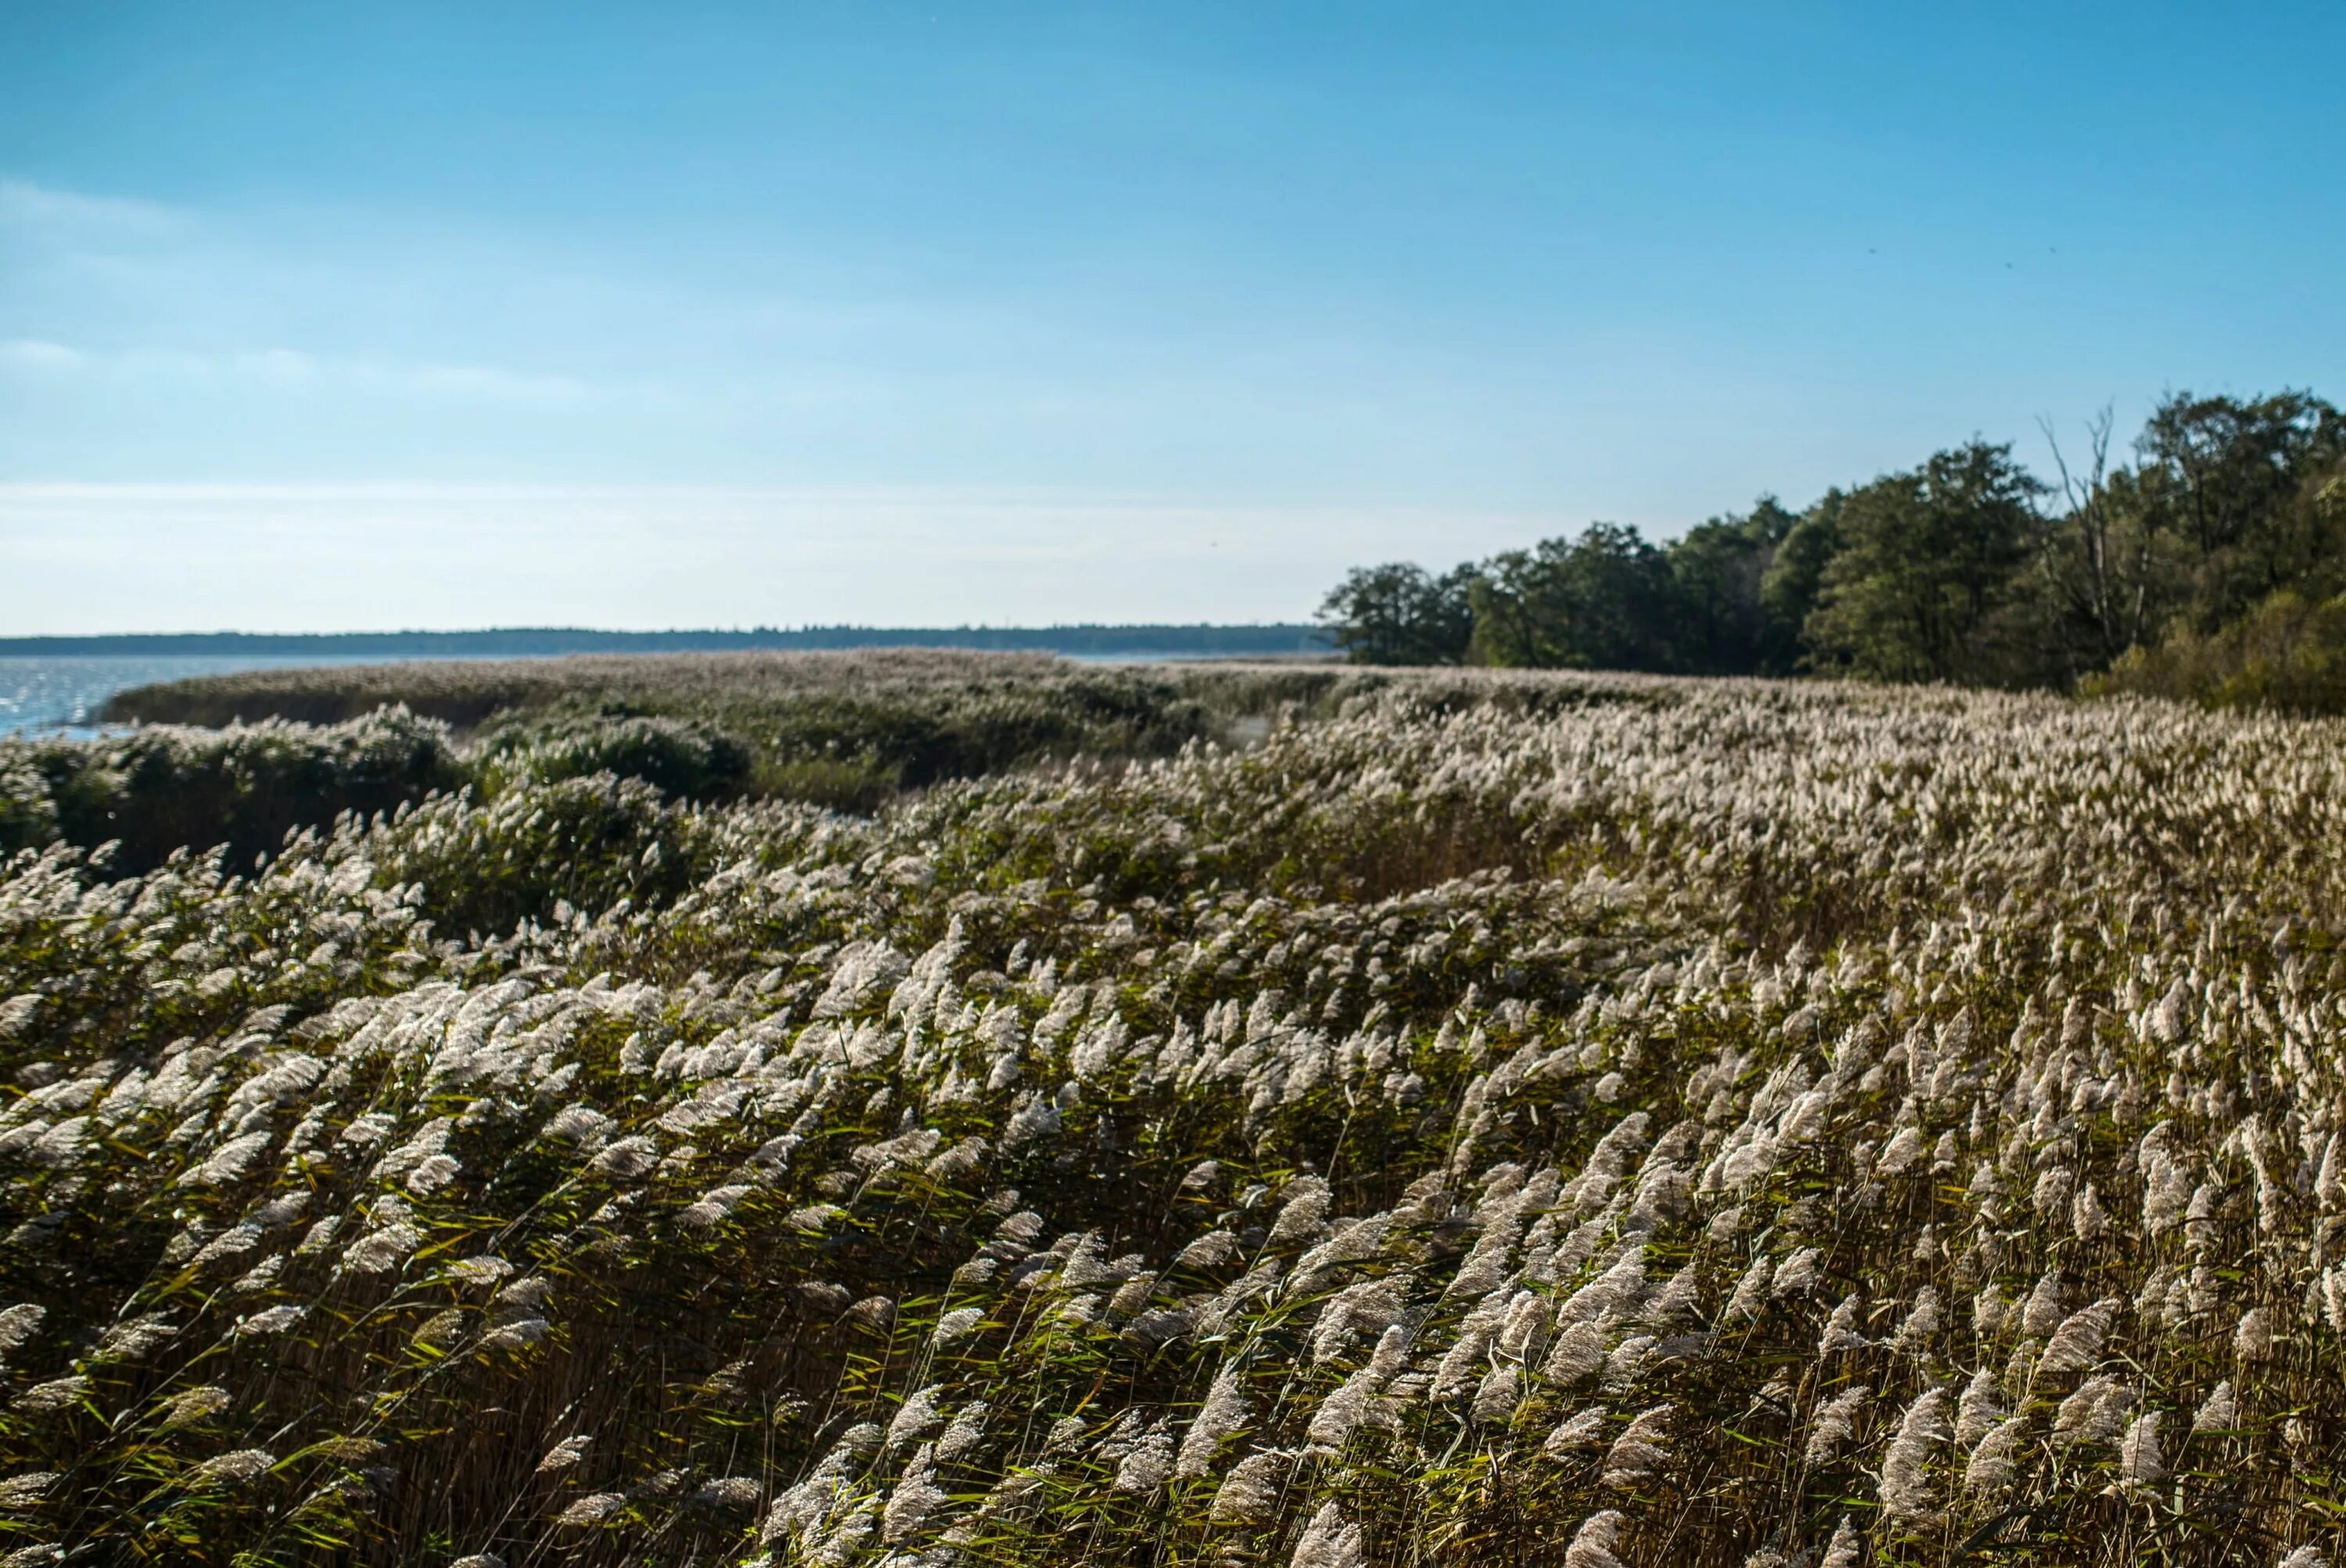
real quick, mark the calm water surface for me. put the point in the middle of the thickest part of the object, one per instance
(48, 694)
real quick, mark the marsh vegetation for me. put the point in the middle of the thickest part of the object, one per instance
(1272, 1117)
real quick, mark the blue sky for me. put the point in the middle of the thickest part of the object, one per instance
(318, 317)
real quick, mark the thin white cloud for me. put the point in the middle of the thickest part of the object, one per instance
(286, 366)
(479, 383)
(40, 356)
(423, 381)
(266, 340)
(45, 211)
(139, 293)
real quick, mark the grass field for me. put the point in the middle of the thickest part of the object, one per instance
(1213, 1117)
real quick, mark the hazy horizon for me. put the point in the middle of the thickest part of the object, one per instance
(437, 320)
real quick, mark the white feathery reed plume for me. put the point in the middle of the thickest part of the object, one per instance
(1673, 1302)
(195, 1405)
(19, 1492)
(1834, 1425)
(1797, 1274)
(1217, 1420)
(1997, 1457)
(231, 1468)
(966, 1432)
(564, 1454)
(1342, 1411)
(1250, 1493)
(17, 1325)
(2252, 1340)
(1750, 1293)
(1593, 1544)
(1904, 1148)
(1626, 1364)
(1638, 1453)
(1149, 1464)
(1977, 1410)
(2041, 1313)
(2093, 1413)
(1582, 1431)
(2076, 1344)
(1905, 1488)
(2140, 1463)
(1922, 1322)
(1497, 1395)
(917, 1418)
(1840, 1333)
(1577, 1351)
(1328, 1542)
(914, 1500)
(2218, 1412)
(1345, 1409)
(271, 1320)
(958, 1324)
(2087, 1218)
(1842, 1551)
(594, 1508)
(55, 1394)
(1617, 1289)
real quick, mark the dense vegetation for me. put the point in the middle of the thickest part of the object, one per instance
(2209, 567)
(1493, 1117)
(841, 730)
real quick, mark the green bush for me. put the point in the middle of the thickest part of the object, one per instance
(2289, 655)
(158, 789)
(28, 817)
(485, 866)
(682, 758)
(846, 728)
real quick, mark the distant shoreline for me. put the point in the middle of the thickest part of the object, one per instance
(524, 642)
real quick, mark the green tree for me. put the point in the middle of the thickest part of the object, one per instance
(2249, 483)
(1794, 583)
(2229, 502)
(1718, 621)
(1603, 601)
(1401, 614)
(1924, 584)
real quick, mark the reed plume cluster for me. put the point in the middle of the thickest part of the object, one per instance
(1528, 1119)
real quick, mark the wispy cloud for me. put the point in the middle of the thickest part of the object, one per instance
(130, 293)
(478, 383)
(284, 368)
(263, 341)
(27, 209)
(40, 356)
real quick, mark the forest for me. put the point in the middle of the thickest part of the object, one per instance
(2204, 560)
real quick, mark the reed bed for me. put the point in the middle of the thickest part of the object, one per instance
(1512, 1120)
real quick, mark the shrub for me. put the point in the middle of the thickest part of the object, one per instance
(2287, 655)
(683, 758)
(246, 787)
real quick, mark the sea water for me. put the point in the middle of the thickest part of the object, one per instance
(52, 695)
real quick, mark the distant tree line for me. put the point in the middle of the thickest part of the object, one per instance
(2207, 560)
